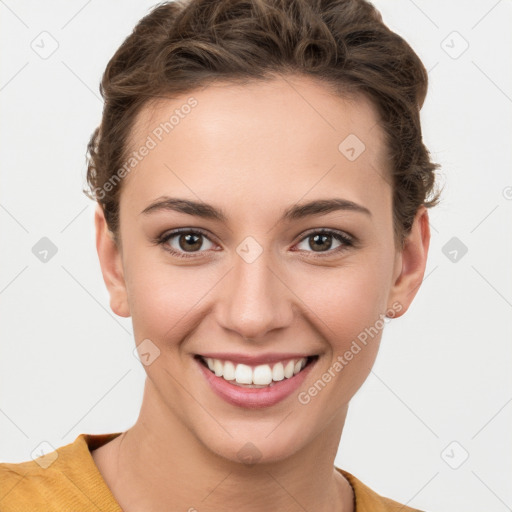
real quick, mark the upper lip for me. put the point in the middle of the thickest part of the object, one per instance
(254, 359)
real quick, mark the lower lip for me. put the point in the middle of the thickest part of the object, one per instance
(254, 398)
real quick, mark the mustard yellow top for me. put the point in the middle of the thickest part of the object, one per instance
(68, 480)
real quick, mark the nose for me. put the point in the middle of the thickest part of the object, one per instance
(256, 299)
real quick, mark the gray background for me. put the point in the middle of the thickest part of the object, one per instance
(440, 390)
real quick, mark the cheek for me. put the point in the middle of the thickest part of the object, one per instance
(346, 308)
(164, 299)
(346, 301)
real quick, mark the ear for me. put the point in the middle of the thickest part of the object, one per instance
(410, 263)
(111, 265)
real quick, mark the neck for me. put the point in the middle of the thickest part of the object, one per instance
(161, 454)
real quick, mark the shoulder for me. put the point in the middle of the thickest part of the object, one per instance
(24, 485)
(367, 500)
(63, 478)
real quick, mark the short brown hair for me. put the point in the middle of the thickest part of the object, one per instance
(187, 44)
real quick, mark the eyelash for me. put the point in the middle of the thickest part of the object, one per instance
(346, 240)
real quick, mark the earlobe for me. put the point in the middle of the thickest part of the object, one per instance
(413, 261)
(111, 265)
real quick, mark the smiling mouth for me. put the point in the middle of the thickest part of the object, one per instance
(256, 376)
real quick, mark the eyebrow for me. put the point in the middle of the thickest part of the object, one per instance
(296, 212)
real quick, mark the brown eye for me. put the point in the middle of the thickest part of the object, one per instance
(322, 242)
(190, 241)
(181, 242)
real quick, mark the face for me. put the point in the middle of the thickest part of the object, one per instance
(289, 251)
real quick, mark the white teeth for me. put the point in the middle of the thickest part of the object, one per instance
(218, 367)
(243, 374)
(288, 369)
(229, 371)
(278, 372)
(261, 375)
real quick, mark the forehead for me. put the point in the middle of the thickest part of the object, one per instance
(285, 137)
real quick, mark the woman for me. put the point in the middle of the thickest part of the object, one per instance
(263, 194)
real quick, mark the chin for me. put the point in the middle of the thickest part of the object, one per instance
(259, 446)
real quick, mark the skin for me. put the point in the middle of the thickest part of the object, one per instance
(253, 151)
